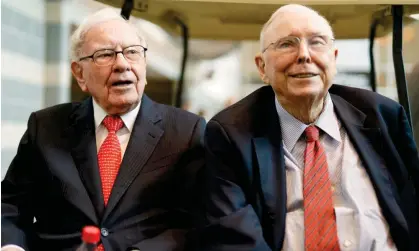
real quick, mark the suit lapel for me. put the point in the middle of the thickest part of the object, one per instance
(144, 138)
(82, 135)
(270, 158)
(368, 143)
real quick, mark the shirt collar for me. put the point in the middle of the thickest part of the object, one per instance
(292, 128)
(328, 121)
(128, 118)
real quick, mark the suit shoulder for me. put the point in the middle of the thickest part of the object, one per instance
(49, 122)
(56, 112)
(245, 109)
(366, 99)
(177, 114)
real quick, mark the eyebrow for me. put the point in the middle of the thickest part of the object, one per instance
(321, 34)
(104, 47)
(112, 47)
(316, 33)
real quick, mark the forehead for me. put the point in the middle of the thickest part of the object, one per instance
(297, 24)
(111, 34)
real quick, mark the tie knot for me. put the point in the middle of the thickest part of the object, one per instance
(312, 133)
(113, 123)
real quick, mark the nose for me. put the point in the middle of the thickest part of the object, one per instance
(121, 64)
(303, 53)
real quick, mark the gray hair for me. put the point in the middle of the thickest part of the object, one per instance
(279, 11)
(103, 15)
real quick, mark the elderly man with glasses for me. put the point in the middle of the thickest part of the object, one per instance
(303, 165)
(117, 160)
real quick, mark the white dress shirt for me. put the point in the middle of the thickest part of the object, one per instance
(360, 223)
(123, 134)
(101, 132)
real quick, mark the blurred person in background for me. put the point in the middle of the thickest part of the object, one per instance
(117, 160)
(304, 165)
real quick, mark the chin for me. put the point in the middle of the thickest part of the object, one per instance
(126, 104)
(307, 92)
(125, 99)
(123, 105)
(308, 89)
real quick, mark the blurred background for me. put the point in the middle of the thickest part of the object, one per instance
(35, 66)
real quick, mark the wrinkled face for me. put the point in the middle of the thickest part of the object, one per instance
(119, 86)
(300, 60)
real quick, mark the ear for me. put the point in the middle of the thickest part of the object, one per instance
(260, 64)
(77, 71)
(335, 54)
(145, 74)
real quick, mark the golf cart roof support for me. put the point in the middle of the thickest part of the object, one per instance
(373, 31)
(397, 13)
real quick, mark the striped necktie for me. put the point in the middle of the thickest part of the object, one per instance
(319, 216)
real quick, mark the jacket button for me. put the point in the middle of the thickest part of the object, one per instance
(104, 232)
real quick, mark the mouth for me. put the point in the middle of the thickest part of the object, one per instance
(304, 75)
(122, 83)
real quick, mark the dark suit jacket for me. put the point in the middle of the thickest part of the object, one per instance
(55, 178)
(247, 202)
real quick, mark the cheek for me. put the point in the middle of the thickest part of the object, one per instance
(279, 66)
(326, 64)
(100, 76)
(139, 71)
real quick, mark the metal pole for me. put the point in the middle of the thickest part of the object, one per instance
(185, 35)
(397, 12)
(373, 30)
(127, 8)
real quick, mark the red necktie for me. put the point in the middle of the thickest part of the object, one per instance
(319, 216)
(109, 158)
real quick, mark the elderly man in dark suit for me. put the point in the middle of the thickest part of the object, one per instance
(117, 160)
(304, 165)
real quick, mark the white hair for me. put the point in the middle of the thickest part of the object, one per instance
(281, 10)
(103, 15)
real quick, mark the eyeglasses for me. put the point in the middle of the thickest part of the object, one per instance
(107, 57)
(291, 44)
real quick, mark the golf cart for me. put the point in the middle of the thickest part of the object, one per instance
(243, 19)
